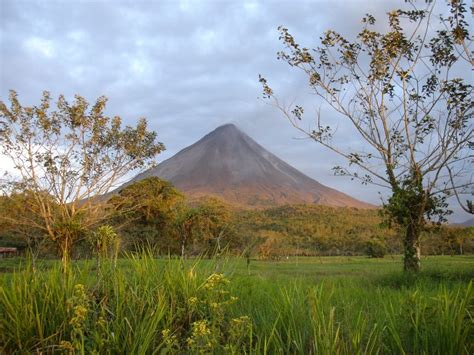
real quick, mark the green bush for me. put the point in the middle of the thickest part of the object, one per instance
(376, 249)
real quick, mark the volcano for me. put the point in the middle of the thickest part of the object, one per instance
(230, 165)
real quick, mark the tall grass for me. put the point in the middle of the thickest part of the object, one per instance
(147, 305)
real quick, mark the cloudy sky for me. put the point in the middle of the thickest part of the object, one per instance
(187, 66)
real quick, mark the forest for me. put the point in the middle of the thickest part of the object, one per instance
(153, 213)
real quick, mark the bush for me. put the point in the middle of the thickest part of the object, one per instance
(376, 249)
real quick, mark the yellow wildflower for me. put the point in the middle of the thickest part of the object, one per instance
(66, 345)
(215, 280)
(101, 322)
(200, 328)
(193, 301)
(169, 339)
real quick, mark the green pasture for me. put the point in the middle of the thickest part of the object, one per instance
(327, 305)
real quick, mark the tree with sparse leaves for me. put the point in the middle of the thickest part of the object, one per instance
(406, 92)
(67, 159)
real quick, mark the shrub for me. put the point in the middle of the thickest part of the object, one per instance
(376, 249)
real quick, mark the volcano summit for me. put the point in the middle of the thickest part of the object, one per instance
(230, 165)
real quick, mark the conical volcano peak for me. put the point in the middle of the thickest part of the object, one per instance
(228, 129)
(227, 136)
(228, 164)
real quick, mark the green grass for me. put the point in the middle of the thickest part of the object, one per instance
(329, 305)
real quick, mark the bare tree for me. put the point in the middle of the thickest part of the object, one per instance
(67, 159)
(404, 92)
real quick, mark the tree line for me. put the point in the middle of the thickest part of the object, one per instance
(152, 213)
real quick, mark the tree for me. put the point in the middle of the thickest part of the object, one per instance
(147, 210)
(215, 224)
(404, 93)
(187, 225)
(207, 225)
(68, 159)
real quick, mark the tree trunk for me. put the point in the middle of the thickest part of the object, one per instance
(183, 248)
(411, 262)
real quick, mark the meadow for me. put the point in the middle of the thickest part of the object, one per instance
(305, 305)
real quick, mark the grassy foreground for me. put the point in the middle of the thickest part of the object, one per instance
(330, 305)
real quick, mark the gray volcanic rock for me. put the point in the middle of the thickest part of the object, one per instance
(230, 165)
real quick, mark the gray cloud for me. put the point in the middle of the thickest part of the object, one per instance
(187, 66)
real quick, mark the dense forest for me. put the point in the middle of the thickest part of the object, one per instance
(321, 230)
(152, 213)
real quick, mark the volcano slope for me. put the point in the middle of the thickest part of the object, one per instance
(228, 164)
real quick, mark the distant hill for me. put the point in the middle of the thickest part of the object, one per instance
(468, 223)
(230, 165)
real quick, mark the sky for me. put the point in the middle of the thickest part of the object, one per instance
(186, 66)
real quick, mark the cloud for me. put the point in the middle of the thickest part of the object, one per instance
(40, 46)
(187, 66)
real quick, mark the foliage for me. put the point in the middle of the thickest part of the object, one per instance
(313, 230)
(67, 159)
(153, 212)
(319, 230)
(279, 232)
(105, 242)
(146, 212)
(20, 220)
(206, 226)
(449, 240)
(376, 249)
(214, 226)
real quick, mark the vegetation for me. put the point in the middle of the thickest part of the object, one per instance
(65, 160)
(402, 93)
(146, 213)
(152, 213)
(376, 249)
(305, 305)
(320, 230)
(20, 222)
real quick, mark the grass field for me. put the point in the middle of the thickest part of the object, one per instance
(328, 305)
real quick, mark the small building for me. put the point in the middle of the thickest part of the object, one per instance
(8, 251)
